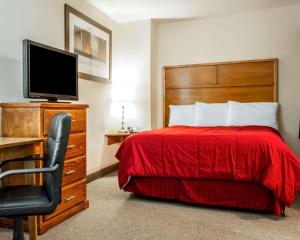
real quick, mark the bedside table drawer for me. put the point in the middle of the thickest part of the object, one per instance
(78, 119)
(74, 170)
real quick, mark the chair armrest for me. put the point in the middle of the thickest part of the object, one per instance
(27, 171)
(29, 158)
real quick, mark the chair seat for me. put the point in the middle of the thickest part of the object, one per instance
(22, 200)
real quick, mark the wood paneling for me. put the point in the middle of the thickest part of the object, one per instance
(74, 169)
(71, 195)
(78, 119)
(22, 123)
(251, 73)
(243, 81)
(76, 145)
(215, 95)
(188, 77)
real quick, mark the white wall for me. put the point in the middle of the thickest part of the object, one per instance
(265, 34)
(43, 21)
(131, 82)
(155, 85)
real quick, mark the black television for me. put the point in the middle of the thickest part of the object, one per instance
(49, 73)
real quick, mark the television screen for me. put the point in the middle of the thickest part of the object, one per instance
(49, 72)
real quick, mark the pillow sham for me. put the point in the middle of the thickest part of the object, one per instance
(254, 113)
(182, 115)
(211, 114)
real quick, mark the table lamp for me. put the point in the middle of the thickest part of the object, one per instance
(122, 130)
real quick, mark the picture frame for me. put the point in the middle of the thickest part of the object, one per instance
(92, 42)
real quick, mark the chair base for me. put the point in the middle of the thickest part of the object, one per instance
(18, 229)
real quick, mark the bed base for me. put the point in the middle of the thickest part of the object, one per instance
(241, 195)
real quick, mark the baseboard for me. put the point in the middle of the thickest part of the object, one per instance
(102, 172)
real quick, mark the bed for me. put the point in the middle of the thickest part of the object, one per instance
(247, 167)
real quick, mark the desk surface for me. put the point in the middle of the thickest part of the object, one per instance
(6, 142)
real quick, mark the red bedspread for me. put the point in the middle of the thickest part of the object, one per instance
(252, 153)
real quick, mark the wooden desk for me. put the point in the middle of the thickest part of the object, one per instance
(11, 148)
(32, 120)
(116, 137)
(8, 142)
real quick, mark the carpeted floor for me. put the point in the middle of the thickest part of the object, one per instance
(114, 214)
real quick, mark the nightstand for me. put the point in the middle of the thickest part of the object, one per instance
(116, 137)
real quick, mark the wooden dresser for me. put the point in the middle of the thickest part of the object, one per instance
(32, 120)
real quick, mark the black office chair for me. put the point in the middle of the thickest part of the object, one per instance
(28, 200)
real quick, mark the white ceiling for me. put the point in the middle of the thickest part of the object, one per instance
(133, 10)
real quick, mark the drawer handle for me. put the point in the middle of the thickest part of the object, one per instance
(71, 146)
(69, 198)
(73, 120)
(69, 172)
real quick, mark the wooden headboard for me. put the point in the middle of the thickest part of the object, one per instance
(243, 81)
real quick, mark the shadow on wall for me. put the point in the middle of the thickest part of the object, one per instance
(108, 154)
(11, 80)
(280, 119)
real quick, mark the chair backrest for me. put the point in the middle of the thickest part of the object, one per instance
(55, 151)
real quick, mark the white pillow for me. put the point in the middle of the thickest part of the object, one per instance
(255, 113)
(182, 115)
(211, 114)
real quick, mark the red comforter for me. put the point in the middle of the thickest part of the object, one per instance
(251, 153)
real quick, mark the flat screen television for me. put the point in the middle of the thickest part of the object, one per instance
(49, 73)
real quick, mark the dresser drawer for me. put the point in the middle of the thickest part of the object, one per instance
(78, 119)
(74, 170)
(76, 145)
(70, 196)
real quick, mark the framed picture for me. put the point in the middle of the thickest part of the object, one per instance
(92, 42)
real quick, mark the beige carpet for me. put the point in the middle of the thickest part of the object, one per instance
(114, 214)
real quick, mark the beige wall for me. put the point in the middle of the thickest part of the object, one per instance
(43, 21)
(265, 34)
(154, 66)
(131, 85)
